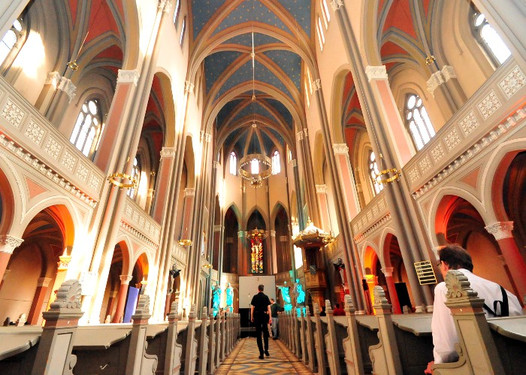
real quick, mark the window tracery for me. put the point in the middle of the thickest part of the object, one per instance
(88, 128)
(374, 172)
(417, 121)
(488, 38)
(12, 41)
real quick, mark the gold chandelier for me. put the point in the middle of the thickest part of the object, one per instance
(264, 169)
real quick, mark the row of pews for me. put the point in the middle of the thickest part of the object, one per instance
(63, 347)
(387, 344)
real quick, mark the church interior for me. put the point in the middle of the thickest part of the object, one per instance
(161, 158)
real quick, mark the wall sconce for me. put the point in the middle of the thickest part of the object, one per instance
(185, 242)
(122, 180)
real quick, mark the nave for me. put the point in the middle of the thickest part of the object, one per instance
(244, 360)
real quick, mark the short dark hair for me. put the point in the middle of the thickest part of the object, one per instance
(261, 287)
(456, 257)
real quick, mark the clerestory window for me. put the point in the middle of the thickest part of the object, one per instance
(88, 128)
(417, 121)
(488, 38)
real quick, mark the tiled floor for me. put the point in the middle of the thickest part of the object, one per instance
(244, 360)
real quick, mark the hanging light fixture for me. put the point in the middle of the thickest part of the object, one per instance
(255, 167)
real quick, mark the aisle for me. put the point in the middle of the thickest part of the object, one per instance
(244, 360)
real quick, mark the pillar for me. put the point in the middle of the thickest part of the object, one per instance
(321, 192)
(121, 298)
(388, 272)
(8, 244)
(502, 231)
(273, 247)
(346, 178)
(163, 182)
(57, 94)
(188, 209)
(38, 300)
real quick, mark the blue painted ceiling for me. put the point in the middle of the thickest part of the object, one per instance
(277, 69)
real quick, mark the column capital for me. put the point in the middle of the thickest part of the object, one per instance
(272, 233)
(68, 87)
(8, 243)
(388, 271)
(299, 135)
(218, 228)
(376, 72)
(167, 152)
(125, 279)
(240, 234)
(294, 163)
(501, 229)
(189, 192)
(321, 189)
(128, 76)
(316, 84)
(53, 79)
(336, 4)
(188, 87)
(340, 148)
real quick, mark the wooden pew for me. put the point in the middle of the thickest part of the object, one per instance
(509, 334)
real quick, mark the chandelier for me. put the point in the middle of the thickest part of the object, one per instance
(255, 167)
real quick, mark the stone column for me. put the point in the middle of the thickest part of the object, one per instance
(321, 192)
(273, 246)
(188, 209)
(502, 231)
(56, 343)
(62, 269)
(121, 299)
(388, 272)
(8, 244)
(346, 178)
(163, 182)
(38, 300)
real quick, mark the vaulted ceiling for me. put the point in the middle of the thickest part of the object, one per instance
(254, 103)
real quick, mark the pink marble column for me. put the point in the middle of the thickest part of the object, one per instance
(502, 231)
(341, 154)
(163, 182)
(40, 294)
(121, 299)
(379, 81)
(388, 272)
(8, 244)
(186, 230)
(321, 192)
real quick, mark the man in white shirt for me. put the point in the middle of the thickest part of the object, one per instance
(454, 257)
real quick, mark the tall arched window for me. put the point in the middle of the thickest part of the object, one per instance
(488, 38)
(183, 29)
(276, 162)
(13, 39)
(88, 128)
(325, 13)
(321, 35)
(135, 174)
(417, 121)
(374, 172)
(233, 163)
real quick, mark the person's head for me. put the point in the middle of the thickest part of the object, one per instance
(453, 257)
(272, 300)
(261, 287)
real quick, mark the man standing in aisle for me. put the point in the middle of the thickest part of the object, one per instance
(275, 308)
(260, 316)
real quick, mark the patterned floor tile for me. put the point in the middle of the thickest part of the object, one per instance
(244, 360)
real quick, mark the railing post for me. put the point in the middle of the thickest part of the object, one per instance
(191, 344)
(330, 341)
(310, 341)
(478, 353)
(304, 355)
(218, 340)
(172, 360)
(318, 340)
(212, 344)
(384, 355)
(138, 362)
(351, 344)
(56, 343)
(203, 343)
